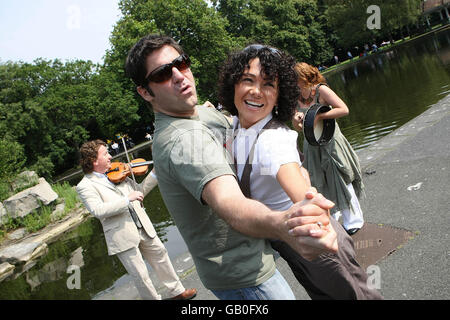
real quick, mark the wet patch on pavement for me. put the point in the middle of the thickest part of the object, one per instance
(377, 241)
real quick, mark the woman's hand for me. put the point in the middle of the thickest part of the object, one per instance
(297, 121)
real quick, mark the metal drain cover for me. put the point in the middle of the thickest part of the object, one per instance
(376, 241)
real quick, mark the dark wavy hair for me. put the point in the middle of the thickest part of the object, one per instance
(274, 63)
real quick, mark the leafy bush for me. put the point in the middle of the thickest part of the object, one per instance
(12, 159)
(5, 190)
(43, 167)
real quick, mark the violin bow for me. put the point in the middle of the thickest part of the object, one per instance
(128, 159)
(129, 164)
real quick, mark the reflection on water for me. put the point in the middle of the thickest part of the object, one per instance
(383, 92)
(84, 247)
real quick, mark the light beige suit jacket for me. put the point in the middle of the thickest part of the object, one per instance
(109, 204)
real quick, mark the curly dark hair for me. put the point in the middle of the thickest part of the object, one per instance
(274, 64)
(88, 153)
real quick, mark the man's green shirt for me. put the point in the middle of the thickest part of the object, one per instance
(188, 153)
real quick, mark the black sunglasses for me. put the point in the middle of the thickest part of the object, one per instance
(258, 47)
(164, 72)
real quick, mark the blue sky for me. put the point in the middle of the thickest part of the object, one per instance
(63, 29)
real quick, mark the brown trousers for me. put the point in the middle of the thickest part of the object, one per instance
(331, 276)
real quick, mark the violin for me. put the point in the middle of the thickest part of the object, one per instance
(119, 170)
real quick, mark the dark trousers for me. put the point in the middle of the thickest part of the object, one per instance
(331, 276)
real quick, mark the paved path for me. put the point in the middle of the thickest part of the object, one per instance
(407, 188)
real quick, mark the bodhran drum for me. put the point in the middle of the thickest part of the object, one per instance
(323, 131)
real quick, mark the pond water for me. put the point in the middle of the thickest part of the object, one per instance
(383, 92)
(386, 90)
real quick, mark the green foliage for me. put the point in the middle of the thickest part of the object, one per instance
(69, 194)
(10, 224)
(17, 184)
(43, 167)
(5, 190)
(116, 107)
(32, 222)
(198, 28)
(296, 26)
(348, 19)
(46, 107)
(11, 159)
(38, 219)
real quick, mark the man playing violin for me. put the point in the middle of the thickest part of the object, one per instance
(129, 233)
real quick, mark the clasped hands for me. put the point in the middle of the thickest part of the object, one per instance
(308, 227)
(297, 121)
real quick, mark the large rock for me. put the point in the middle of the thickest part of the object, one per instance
(22, 252)
(24, 202)
(17, 234)
(58, 212)
(6, 270)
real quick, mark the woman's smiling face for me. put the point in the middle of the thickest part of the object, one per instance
(255, 95)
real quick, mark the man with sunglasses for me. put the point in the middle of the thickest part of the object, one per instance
(224, 231)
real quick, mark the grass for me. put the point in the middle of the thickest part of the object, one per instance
(38, 219)
(69, 194)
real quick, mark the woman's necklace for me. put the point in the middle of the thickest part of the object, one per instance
(308, 100)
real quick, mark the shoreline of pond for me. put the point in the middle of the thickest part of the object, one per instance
(21, 254)
(349, 62)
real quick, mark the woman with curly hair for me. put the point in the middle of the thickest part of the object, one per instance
(258, 86)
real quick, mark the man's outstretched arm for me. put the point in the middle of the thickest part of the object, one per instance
(254, 219)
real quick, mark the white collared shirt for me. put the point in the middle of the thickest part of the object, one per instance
(104, 176)
(274, 148)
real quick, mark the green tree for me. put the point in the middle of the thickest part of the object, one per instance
(199, 29)
(12, 159)
(297, 26)
(348, 19)
(46, 108)
(398, 15)
(50, 108)
(20, 85)
(117, 109)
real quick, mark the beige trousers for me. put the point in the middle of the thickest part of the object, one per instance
(155, 253)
